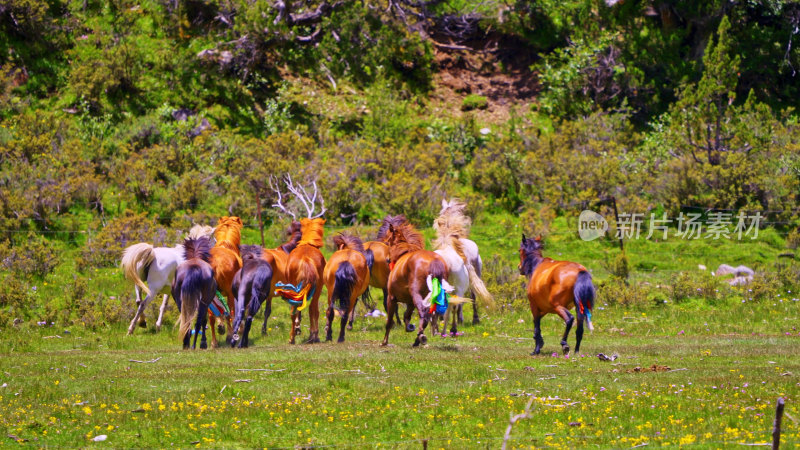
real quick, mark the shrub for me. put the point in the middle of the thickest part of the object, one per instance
(701, 285)
(105, 249)
(616, 291)
(15, 300)
(503, 280)
(474, 101)
(33, 257)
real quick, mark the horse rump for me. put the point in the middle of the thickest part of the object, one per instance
(193, 283)
(584, 293)
(136, 261)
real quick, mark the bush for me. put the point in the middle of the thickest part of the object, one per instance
(508, 287)
(617, 292)
(474, 101)
(701, 285)
(15, 300)
(105, 249)
(33, 257)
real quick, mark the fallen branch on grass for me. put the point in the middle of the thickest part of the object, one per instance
(260, 370)
(514, 419)
(144, 362)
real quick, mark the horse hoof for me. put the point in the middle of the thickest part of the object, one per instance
(423, 339)
(476, 321)
(220, 329)
(350, 327)
(410, 327)
(340, 340)
(143, 324)
(203, 346)
(566, 350)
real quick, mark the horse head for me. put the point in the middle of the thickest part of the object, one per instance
(530, 253)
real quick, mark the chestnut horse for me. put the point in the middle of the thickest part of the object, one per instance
(347, 276)
(555, 287)
(303, 278)
(412, 267)
(379, 277)
(194, 288)
(277, 258)
(226, 262)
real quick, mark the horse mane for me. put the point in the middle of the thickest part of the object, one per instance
(295, 233)
(228, 232)
(383, 231)
(531, 255)
(343, 240)
(251, 251)
(404, 239)
(198, 231)
(312, 231)
(197, 248)
(452, 221)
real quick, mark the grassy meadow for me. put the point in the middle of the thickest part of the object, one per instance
(705, 370)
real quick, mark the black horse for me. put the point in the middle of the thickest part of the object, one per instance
(252, 287)
(194, 288)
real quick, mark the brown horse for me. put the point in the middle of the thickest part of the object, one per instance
(226, 262)
(412, 265)
(303, 277)
(347, 276)
(277, 259)
(555, 287)
(379, 277)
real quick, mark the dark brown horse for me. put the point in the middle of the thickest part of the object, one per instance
(252, 284)
(303, 278)
(194, 288)
(346, 277)
(556, 287)
(226, 262)
(412, 265)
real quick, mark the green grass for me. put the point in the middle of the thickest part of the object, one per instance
(729, 361)
(457, 392)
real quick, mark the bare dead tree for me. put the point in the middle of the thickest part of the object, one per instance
(309, 201)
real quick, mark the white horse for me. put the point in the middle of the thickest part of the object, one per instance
(463, 260)
(157, 265)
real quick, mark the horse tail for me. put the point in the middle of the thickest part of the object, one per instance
(584, 293)
(438, 270)
(345, 279)
(261, 284)
(479, 288)
(308, 273)
(191, 292)
(134, 261)
(370, 259)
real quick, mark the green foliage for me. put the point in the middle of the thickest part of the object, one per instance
(34, 256)
(474, 101)
(15, 300)
(105, 248)
(618, 265)
(701, 285)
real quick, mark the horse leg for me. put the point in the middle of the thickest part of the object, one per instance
(140, 312)
(267, 313)
(578, 336)
(142, 319)
(568, 320)
(407, 319)
(423, 322)
(328, 328)
(537, 333)
(460, 311)
(391, 309)
(313, 316)
(352, 313)
(294, 327)
(475, 319)
(202, 315)
(251, 313)
(454, 327)
(161, 312)
(345, 317)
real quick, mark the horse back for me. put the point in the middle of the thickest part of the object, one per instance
(410, 273)
(551, 284)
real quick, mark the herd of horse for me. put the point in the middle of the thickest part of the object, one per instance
(211, 276)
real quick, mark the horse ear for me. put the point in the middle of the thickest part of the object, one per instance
(523, 238)
(444, 203)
